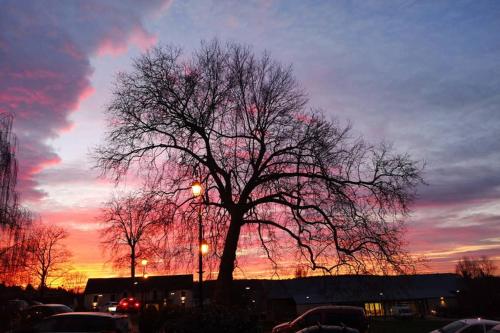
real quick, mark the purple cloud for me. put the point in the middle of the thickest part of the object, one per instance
(45, 68)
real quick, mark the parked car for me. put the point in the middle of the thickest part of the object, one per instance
(128, 305)
(11, 313)
(80, 322)
(108, 307)
(477, 325)
(402, 311)
(495, 329)
(349, 316)
(328, 329)
(36, 313)
(16, 305)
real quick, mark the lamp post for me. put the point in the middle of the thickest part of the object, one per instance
(202, 245)
(144, 263)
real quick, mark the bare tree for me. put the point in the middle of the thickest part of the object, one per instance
(15, 221)
(270, 166)
(8, 172)
(49, 257)
(15, 249)
(132, 223)
(75, 281)
(470, 268)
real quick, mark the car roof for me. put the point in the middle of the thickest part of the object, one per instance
(47, 305)
(471, 321)
(89, 314)
(336, 307)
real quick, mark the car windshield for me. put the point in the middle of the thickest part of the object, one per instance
(453, 327)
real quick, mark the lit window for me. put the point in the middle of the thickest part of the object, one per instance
(374, 309)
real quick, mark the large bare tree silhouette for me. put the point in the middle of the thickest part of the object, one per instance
(240, 124)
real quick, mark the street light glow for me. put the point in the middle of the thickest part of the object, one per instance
(144, 262)
(204, 247)
(196, 188)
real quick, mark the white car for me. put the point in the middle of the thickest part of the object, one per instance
(108, 307)
(477, 325)
(495, 329)
(402, 311)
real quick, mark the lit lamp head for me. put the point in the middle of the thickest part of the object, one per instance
(204, 247)
(144, 262)
(146, 275)
(196, 188)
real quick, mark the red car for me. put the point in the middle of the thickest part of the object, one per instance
(128, 305)
(348, 316)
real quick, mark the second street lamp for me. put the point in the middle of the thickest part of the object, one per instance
(202, 245)
(144, 263)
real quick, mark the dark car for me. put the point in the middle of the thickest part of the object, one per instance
(80, 322)
(11, 313)
(15, 306)
(128, 305)
(36, 313)
(334, 315)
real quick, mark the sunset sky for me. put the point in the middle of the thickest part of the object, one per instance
(422, 75)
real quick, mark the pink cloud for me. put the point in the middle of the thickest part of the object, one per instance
(114, 46)
(45, 52)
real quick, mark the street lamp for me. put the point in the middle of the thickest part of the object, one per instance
(202, 246)
(144, 263)
(197, 189)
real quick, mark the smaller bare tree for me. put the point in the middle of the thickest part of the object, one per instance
(49, 257)
(131, 223)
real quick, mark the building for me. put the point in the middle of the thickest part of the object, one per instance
(175, 290)
(281, 300)
(422, 294)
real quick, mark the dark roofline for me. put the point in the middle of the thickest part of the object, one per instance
(119, 284)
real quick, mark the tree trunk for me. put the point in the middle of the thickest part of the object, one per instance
(43, 285)
(223, 293)
(132, 263)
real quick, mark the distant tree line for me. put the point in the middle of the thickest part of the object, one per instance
(480, 294)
